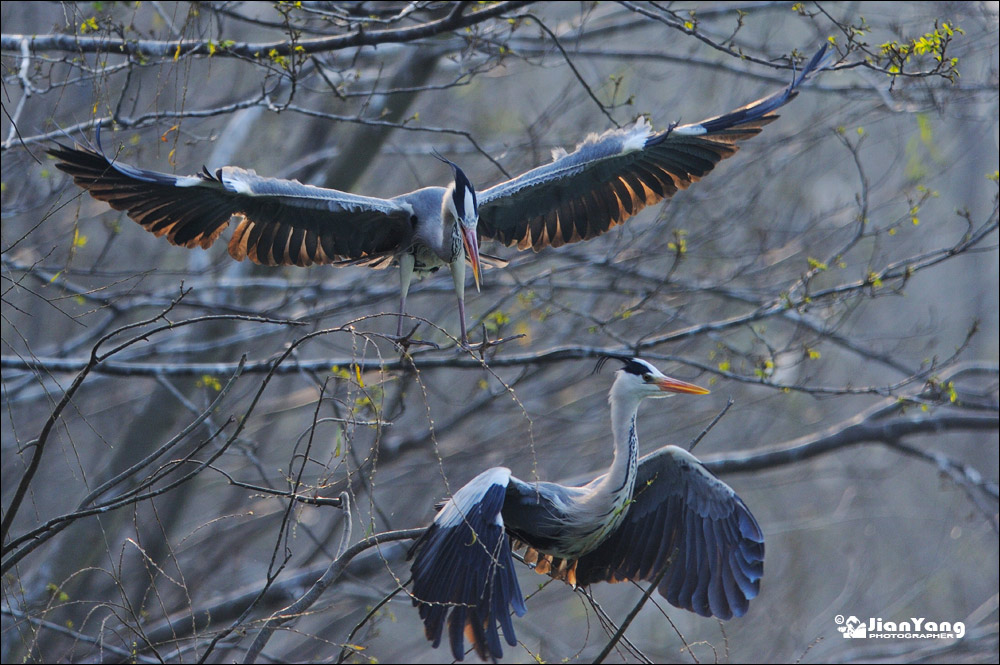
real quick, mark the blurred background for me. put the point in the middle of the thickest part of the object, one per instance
(836, 279)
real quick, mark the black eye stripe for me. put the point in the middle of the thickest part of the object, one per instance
(629, 365)
(633, 367)
(463, 185)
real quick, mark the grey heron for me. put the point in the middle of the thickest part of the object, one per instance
(662, 513)
(580, 195)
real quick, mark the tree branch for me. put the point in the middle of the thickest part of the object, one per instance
(180, 48)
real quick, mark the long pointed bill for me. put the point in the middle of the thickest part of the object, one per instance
(471, 242)
(668, 385)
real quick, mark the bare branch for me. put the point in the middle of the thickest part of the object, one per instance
(182, 48)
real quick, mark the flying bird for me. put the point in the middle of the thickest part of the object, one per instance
(579, 195)
(664, 514)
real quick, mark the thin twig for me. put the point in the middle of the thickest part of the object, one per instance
(632, 614)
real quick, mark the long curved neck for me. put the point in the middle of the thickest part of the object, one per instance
(450, 246)
(621, 475)
(601, 506)
(620, 478)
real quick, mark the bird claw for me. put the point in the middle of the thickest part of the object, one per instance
(406, 341)
(487, 343)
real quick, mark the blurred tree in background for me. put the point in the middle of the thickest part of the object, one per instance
(190, 443)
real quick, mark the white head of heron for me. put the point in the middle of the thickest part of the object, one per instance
(641, 379)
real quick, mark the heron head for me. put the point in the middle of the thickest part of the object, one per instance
(641, 378)
(463, 206)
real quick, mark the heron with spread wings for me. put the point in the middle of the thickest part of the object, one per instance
(606, 180)
(663, 517)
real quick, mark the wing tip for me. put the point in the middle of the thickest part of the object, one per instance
(463, 571)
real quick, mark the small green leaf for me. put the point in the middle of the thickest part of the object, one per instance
(815, 264)
(209, 381)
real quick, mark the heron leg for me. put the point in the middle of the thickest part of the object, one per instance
(458, 276)
(406, 263)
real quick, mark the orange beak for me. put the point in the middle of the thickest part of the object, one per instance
(669, 385)
(471, 242)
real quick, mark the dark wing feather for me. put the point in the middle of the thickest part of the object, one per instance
(684, 518)
(463, 571)
(283, 221)
(609, 178)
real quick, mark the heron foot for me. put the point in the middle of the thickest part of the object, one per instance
(487, 343)
(406, 341)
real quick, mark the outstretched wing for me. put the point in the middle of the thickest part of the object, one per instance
(685, 519)
(609, 178)
(463, 571)
(283, 221)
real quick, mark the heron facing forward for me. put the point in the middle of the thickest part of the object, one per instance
(607, 179)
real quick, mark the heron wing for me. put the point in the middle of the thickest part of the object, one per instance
(463, 571)
(283, 222)
(609, 178)
(686, 520)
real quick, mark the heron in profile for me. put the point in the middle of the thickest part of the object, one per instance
(664, 514)
(607, 179)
